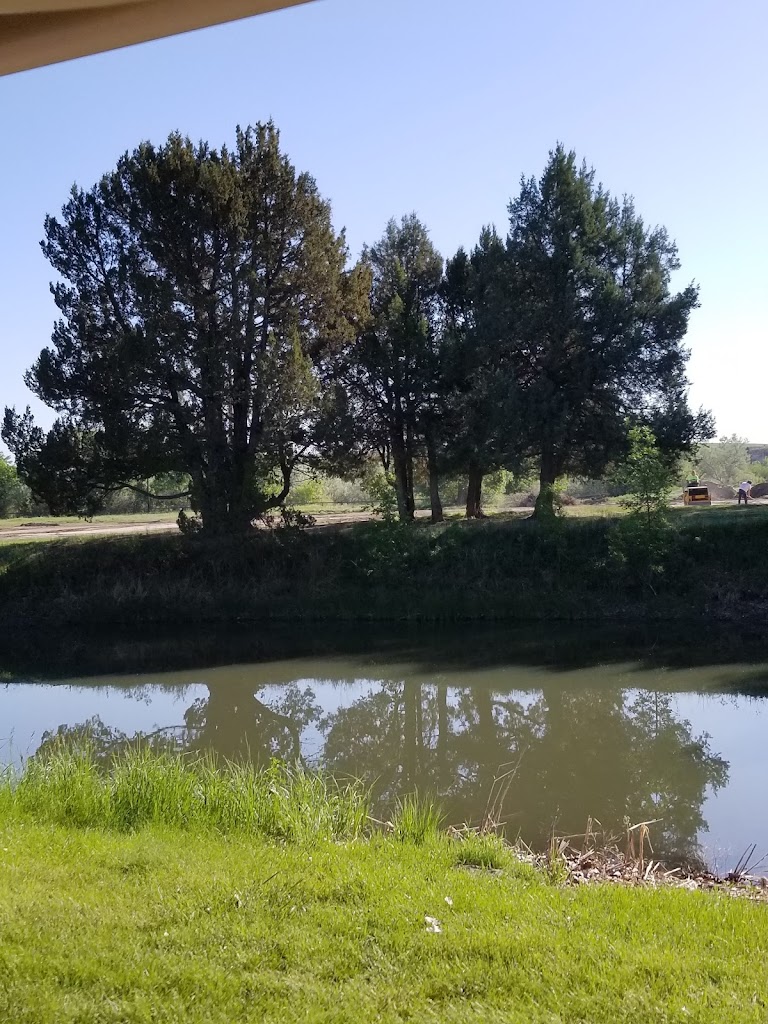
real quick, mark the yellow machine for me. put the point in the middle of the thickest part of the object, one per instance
(695, 494)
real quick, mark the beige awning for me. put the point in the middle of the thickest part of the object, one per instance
(37, 32)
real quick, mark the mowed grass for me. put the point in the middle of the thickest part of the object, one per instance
(163, 926)
(131, 921)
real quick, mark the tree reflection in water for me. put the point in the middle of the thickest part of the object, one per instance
(231, 722)
(610, 753)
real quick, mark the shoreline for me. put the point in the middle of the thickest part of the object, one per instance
(509, 572)
(146, 913)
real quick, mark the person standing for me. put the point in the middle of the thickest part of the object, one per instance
(745, 491)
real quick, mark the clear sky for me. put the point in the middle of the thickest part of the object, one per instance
(439, 106)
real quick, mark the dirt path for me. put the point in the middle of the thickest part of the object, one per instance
(46, 530)
(35, 531)
(38, 530)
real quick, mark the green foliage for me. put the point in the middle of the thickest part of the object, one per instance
(67, 785)
(534, 349)
(15, 499)
(725, 462)
(482, 422)
(391, 373)
(481, 850)
(757, 472)
(145, 383)
(345, 492)
(505, 570)
(417, 819)
(307, 491)
(647, 477)
(598, 334)
(382, 495)
(495, 486)
(643, 538)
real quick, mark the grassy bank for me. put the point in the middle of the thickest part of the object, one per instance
(712, 564)
(203, 916)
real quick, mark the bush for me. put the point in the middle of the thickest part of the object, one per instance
(15, 496)
(642, 540)
(308, 491)
(382, 496)
(345, 492)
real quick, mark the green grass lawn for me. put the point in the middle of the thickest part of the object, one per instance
(181, 892)
(163, 926)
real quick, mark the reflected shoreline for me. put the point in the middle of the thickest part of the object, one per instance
(426, 649)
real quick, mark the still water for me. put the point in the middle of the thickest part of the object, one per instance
(629, 725)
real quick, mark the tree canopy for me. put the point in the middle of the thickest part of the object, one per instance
(725, 462)
(14, 495)
(212, 329)
(596, 332)
(200, 293)
(392, 371)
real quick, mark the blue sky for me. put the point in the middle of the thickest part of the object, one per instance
(438, 106)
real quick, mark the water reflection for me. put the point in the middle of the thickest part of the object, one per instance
(614, 753)
(600, 722)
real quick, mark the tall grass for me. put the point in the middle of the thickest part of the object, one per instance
(139, 788)
(416, 819)
(480, 850)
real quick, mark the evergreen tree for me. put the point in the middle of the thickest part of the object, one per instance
(482, 429)
(596, 334)
(392, 372)
(202, 294)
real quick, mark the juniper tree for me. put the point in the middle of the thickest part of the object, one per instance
(595, 330)
(200, 292)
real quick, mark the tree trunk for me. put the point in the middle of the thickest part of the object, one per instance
(400, 468)
(411, 503)
(220, 501)
(211, 504)
(474, 492)
(442, 737)
(545, 503)
(434, 484)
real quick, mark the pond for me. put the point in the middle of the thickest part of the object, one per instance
(540, 728)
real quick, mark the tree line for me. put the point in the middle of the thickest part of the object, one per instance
(213, 327)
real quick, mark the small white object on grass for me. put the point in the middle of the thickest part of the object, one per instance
(433, 925)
